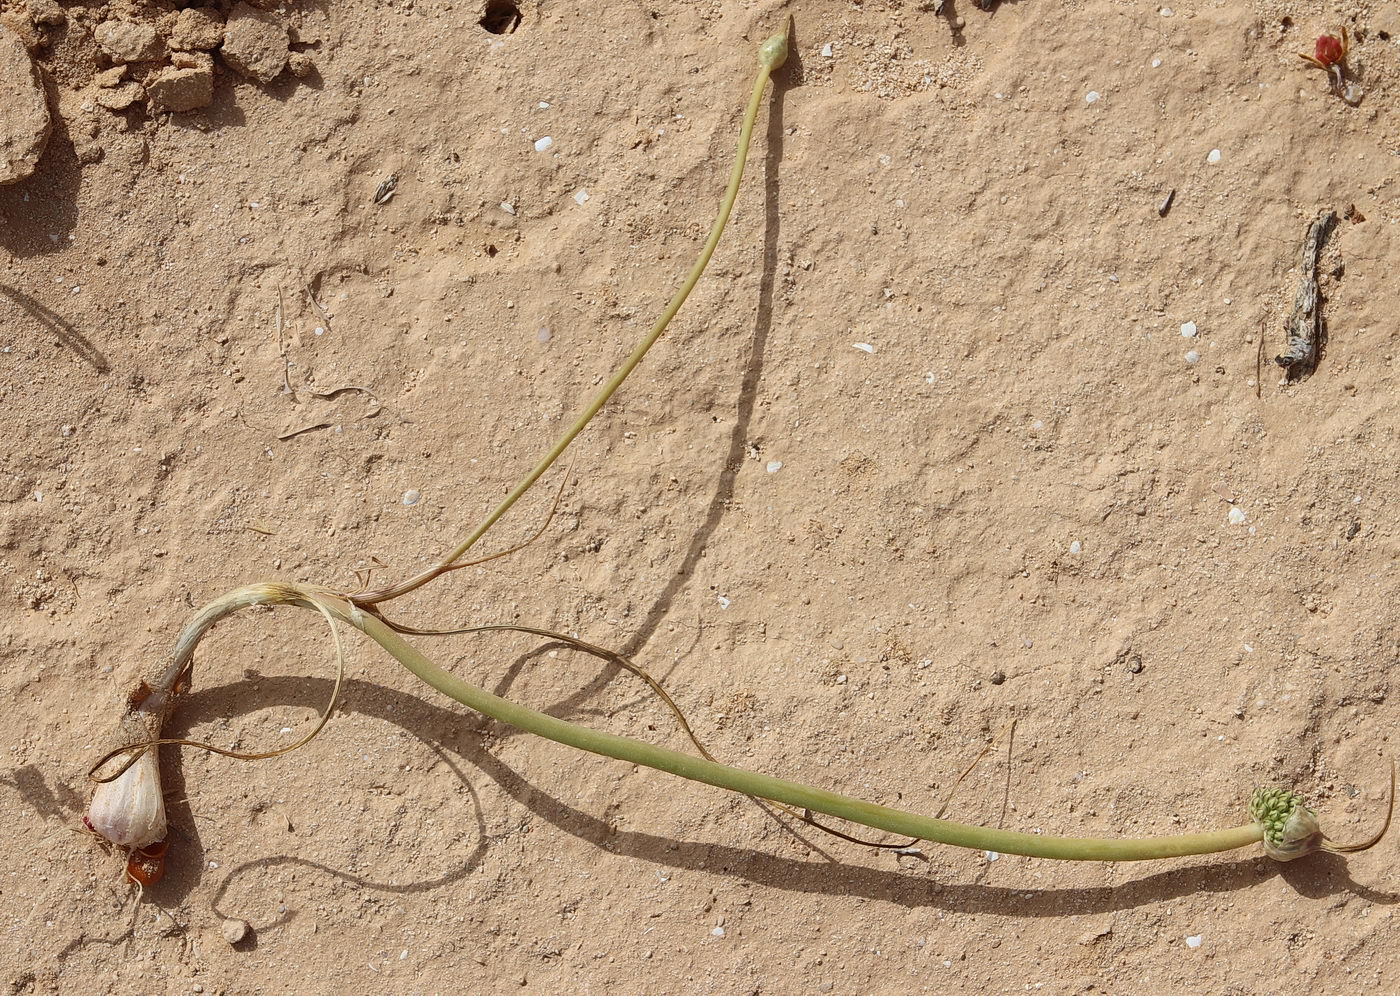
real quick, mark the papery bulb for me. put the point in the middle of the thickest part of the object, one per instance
(129, 810)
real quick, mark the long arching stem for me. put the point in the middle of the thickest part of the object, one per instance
(771, 56)
(723, 775)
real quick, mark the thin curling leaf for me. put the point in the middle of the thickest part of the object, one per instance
(1374, 839)
(1290, 828)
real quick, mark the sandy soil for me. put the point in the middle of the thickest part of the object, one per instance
(850, 566)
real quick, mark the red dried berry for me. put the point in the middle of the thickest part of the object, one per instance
(1328, 50)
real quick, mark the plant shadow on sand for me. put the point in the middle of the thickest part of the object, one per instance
(449, 731)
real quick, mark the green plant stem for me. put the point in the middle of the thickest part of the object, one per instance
(738, 779)
(771, 55)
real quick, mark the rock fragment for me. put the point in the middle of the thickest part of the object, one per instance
(25, 123)
(197, 29)
(111, 77)
(186, 86)
(128, 41)
(236, 931)
(46, 12)
(29, 34)
(119, 98)
(255, 43)
(300, 65)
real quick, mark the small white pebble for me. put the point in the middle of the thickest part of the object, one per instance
(840, 679)
(1194, 941)
(864, 347)
(543, 335)
(544, 105)
(1192, 356)
(66, 431)
(1076, 548)
(507, 207)
(774, 466)
(826, 50)
(718, 932)
(1188, 330)
(723, 602)
(1214, 156)
(1156, 63)
(581, 196)
(1236, 516)
(412, 496)
(992, 855)
(1166, 12)
(213, 864)
(1091, 96)
(543, 144)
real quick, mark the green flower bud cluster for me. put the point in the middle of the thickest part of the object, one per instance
(1271, 808)
(1290, 828)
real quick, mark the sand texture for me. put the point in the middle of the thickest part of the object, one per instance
(298, 291)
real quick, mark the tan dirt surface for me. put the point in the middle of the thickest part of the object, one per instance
(851, 566)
